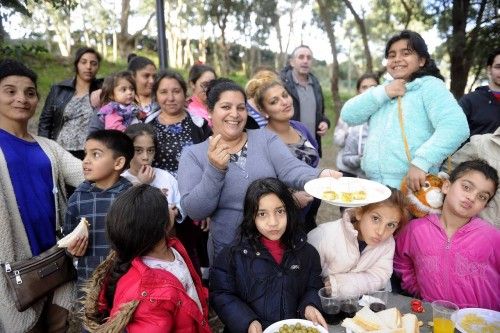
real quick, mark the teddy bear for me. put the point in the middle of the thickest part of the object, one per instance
(427, 200)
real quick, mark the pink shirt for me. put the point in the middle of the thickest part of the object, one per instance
(464, 269)
(198, 108)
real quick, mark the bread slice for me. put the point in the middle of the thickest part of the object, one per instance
(369, 320)
(391, 317)
(350, 324)
(410, 323)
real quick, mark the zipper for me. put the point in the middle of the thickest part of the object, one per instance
(32, 266)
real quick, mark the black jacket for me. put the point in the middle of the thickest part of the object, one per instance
(247, 284)
(482, 111)
(52, 117)
(287, 78)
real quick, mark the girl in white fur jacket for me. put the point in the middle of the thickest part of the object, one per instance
(356, 251)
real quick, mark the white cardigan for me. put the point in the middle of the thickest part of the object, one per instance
(349, 271)
(14, 244)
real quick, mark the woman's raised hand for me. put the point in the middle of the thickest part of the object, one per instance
(396, 88)
(218, 152)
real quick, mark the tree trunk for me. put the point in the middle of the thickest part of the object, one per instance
(364, 36)
(123, 36)
(325, 16)
(461, 47)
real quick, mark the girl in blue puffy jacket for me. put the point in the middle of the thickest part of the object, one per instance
(270, 272)
(414, 121)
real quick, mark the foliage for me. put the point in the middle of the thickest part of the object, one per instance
(18, 51)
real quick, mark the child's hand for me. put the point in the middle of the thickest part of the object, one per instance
(396, 88)
(218, 154)
(146, 174)
(416, 178)
(312, 314)
(302, 198)
(255, 327)
(78, 247)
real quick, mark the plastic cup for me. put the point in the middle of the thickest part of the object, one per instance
(441, 316)
(379, 300)
(349, 306)
(330, 305)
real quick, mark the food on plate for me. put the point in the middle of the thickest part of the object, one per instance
(359, 195)
(82, 230)
(391, 317)
(330, 195)
(473, 323)
(296, 328)
(386, 321)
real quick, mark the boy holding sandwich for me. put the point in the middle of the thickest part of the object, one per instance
(107, 155)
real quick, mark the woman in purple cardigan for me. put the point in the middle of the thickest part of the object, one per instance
(214, 175)
(276, 105)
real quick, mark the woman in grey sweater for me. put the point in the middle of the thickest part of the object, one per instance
(214, 175)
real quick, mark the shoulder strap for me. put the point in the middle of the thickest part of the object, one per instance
(401, 125)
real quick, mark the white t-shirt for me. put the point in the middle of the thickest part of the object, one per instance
(165, 182)
(178, 268)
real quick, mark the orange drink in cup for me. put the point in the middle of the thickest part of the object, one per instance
(441, 316)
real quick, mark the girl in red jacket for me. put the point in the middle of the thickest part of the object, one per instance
(147, 283)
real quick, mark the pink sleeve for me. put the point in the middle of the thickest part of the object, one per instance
(403, 261)
(114, 121)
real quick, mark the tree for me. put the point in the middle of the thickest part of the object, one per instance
(360, 21)
(329, 12)
(126, 41)
(463, 23)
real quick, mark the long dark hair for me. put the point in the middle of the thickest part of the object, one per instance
(416, 43)
(136, 222)
(257, 190)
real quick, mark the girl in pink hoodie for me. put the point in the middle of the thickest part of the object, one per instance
(455, 256)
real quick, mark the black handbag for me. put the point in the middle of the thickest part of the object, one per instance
(34, 278)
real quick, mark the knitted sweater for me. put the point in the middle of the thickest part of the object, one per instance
(14, 244)
(209, 192)
(434, 125)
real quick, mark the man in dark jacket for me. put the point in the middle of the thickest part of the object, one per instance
(304, 87)
(482, 106)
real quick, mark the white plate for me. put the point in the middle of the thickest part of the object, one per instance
(274, 328)
(375, 192)
(490, 316)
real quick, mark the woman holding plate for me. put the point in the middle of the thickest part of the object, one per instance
(214, 175)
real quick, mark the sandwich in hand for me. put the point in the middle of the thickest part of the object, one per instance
(82, 230)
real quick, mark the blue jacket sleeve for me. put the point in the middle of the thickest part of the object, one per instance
(360, 108)
(449, 123)
(230, 308)
(199, 185)
(314, 283)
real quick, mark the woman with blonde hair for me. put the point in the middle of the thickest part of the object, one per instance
(276, 105)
